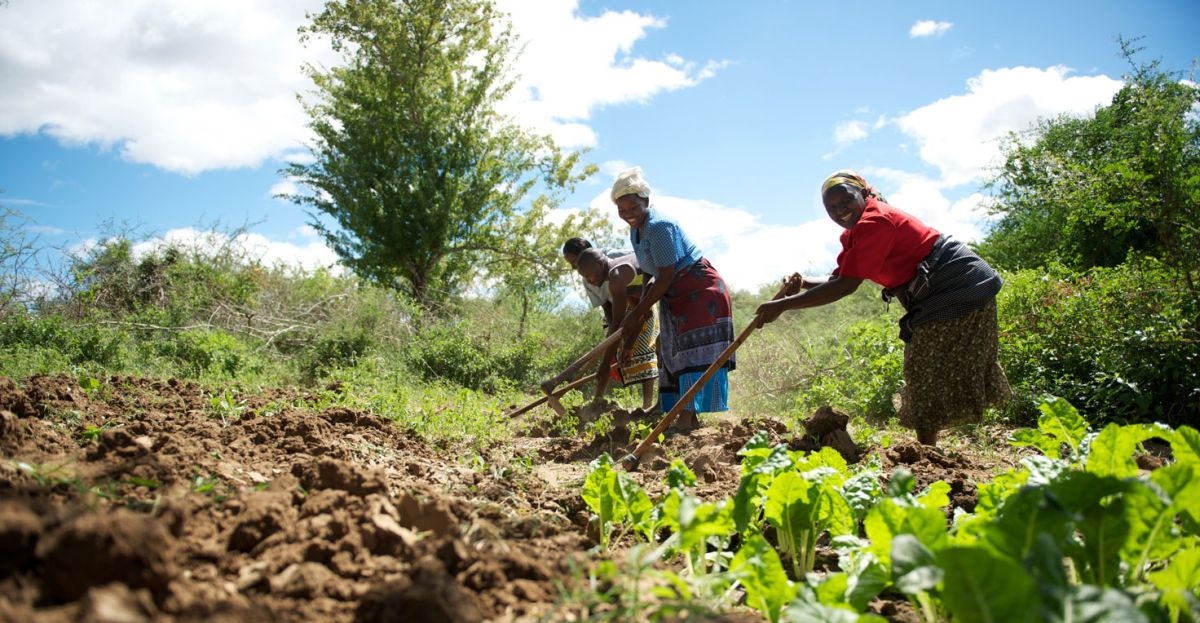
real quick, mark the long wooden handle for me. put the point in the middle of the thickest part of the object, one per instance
(636, 456)
(558, 392)
(588, 357)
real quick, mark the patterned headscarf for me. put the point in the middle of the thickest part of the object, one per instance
(850, 178)
(630, 182)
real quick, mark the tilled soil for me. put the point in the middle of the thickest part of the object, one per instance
(144, 501)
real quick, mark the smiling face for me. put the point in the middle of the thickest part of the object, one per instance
(632, 209)
(845, 204)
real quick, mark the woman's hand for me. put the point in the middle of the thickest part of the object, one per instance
(768, 312)
(632, 326)
(793, 284)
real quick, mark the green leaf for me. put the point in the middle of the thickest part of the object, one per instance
(914, 568)
(888, 519)
(1027, 513)
(1111, 452)
(1152, 533)
(936, 495)
(637, 504)
(900, 483)
(1185, 445)
(679, 475)
(790, 507)
(1061, 422)
(814, 612)
(1179, 583)
(1095, 604)
(1179, 482)
(1097, 505)
(982, 587)
(759, 569)
(1032, 437)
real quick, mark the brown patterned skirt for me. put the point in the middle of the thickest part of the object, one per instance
(951, 371)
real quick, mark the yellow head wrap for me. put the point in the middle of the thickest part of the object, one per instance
(630, 182)
(850, 178)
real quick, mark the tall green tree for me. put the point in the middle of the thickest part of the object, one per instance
(422, 176)
(1094, 191)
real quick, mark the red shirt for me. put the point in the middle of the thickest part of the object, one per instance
(885, 245)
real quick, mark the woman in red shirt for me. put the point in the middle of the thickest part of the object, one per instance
(951, 370)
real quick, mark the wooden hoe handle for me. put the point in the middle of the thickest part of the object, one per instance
(631, 460)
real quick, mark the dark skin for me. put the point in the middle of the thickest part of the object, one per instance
(617, 279)
(633, 210)
(844, 204)
(573, 260)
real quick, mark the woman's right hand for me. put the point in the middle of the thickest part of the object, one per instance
(768, 312)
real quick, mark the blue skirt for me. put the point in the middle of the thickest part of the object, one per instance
(712, 397)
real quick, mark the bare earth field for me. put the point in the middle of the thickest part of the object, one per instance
(138, 502)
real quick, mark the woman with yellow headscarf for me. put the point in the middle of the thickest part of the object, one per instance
(951, 370)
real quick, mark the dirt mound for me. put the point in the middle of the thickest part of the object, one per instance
(143, 500)
(929, 464)
(96, 549)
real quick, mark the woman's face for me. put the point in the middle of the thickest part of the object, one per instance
(632, 209)
(844, 204)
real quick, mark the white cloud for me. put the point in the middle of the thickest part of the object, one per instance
(284, 187)
(746, 251)
(573, 65)
(960, 134)
(928, 28)
(194, 86)
(923, 197)
(182, 86)
(310, 254)
(850, 132)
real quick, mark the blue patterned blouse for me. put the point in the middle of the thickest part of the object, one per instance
(663, 244)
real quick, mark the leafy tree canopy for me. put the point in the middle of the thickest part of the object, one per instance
(1091, 192)
(421, 175)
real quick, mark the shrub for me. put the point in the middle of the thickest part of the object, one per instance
(1121, 343)
(869, 370)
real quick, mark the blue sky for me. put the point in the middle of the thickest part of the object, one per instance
(173, 116)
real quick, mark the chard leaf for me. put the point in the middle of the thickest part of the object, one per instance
(1112, 451)
(861, 492)
(993, 494)
(700, 520)
(866, 577)
(1031, 437)
(1028, 512)
(936, 495)
(815, 612)
(1185, 445)
(1152, 533)
(900, 483)
(754, 484)
(1180, 483)
(888, 519)
(638, 506)
(1179, 583)
(759, 569)
(913, 565)
(984, 587)
(1099, 514)
(1060, 421)
(1094, 604)
(599, 493)
(791, 508)
(679, 475)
